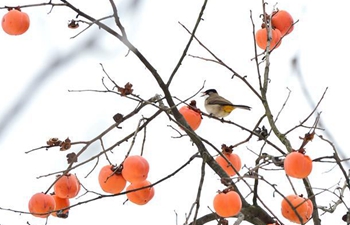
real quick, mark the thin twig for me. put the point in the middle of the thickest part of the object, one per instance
(93, 168)
(104, 150)
(312, 112)
(256, 52)
(184, 53)
(134, 137)
(143, 140)
(127, 137)
(199, 192)
(222, 63)
(89, 25)
(338, 160)
(117, 19)
(291, 184)
(284, 104)
(34, 5)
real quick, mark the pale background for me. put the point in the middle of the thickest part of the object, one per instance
(318, 40)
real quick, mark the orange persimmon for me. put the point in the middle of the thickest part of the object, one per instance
(67, 186)
(142, 196)
(41, 203)
(192, 115)
(110, 181)
(302, 206)
(297, 165)
(227, 203)
(15, 22)
(261, 38)
(234, 159)
(61, 203)
(282, 21)
(135, 168)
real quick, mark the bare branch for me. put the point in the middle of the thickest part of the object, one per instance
(184, 53)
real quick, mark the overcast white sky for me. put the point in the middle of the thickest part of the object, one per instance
(153, 28)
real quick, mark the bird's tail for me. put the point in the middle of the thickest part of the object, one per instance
(242, 107)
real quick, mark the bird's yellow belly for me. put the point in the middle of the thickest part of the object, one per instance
(219, 111)
(228, 108)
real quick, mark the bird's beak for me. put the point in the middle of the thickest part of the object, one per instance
(203, 94)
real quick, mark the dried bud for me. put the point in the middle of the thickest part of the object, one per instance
(126, 90)
(65, 145)
(193, 106)
(118, 118)
(54, 142)
(263, 133)
(226, 149)
(72, 158)
(62, 214)
(73, 24)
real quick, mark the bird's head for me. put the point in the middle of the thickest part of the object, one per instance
(209, 92)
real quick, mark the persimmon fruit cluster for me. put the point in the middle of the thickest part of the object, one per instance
(134, 170)
(43, 205)
(298, 211)
(282, 24)
(15, 22)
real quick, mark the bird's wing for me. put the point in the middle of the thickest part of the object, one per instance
(219, 101)
(224, 102)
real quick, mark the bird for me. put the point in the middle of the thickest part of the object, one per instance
(218, 106)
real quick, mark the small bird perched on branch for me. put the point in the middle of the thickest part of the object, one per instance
(219, 106)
